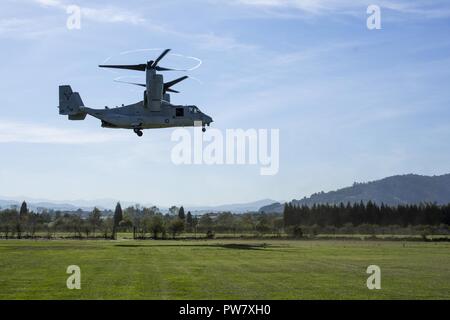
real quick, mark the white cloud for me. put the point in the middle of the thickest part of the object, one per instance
(424, 8)
(36, 27)
(213, 41)
(52, 3)
(114, 14)
(313, 6)
(22, 132)
(106, 14)
(8, 25)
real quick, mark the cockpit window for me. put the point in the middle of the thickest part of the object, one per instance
(194, 109)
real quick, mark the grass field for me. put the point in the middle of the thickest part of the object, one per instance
(224, 269)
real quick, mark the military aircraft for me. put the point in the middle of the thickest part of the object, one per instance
(154, 111)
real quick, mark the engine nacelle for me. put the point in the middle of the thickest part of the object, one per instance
(155, 95)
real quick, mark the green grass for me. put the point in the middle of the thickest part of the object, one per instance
(223, 269)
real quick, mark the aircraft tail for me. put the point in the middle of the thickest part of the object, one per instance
(70, 103)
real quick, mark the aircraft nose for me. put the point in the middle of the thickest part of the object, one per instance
(207, 119)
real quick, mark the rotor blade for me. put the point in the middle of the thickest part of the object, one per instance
(162, 55)
(136, 67)
(171, 90)
(166, 69)
(169, 84)
(134, 83)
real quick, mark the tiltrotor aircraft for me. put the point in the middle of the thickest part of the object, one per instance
(155, 111)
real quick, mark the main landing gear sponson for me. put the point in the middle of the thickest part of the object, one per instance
(140, 133)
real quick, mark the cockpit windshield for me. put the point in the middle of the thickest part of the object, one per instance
(194, 109)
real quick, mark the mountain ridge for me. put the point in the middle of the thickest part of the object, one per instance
(393, 190)
(108, 204)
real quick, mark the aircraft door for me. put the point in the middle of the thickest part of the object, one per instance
(179, 112)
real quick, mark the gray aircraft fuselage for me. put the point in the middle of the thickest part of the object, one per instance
(137, 116)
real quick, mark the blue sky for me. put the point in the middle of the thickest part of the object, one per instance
(351, 104)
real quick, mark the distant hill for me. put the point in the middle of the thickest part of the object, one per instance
(234, 208)
(273, 207)
(395, 190)
(38, 205)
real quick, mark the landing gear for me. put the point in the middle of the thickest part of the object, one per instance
(204, 129)
(138, 132)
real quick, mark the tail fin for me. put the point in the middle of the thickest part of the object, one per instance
(70, 103)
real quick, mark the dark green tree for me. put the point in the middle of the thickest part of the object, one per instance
(176, 226)
(205, 223)
(118, 216)
(23, 210)
(95, 219)
(189, 222)
(22, 219)
(157, 225)
(173, 210)
(181, 214)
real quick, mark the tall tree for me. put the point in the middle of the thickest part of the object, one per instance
(95, 219)
(189, 221)
(176, 226)
(206, 223)
(156, 225)
(118, 216)
(173, 210)
(23, 210)
(181, 214)
(21, 219)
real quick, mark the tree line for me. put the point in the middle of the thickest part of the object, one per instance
(138, 222)
(150, 223)
(366, 213)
